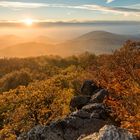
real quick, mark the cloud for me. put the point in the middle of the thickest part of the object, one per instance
(105, 9)
(116, 10)
(137, 6)
(109, 1)
(9, 4)
(119, 10)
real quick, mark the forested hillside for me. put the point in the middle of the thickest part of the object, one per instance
(38, 90)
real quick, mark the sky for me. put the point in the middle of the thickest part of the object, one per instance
(70, 10)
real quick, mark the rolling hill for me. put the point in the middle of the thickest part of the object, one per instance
(97, 42)
(9, 40)
(45, 40)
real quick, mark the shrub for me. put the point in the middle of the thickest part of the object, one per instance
(14, 79)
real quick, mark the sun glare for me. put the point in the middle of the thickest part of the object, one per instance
(28, 21)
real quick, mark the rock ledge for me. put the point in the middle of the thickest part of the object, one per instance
(92, 116)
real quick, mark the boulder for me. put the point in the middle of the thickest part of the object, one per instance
(35, 133)
(79, 101)
(88, 87)
(68, 129)
(109, 132)
(97, 110)
(22, 136)
(99, 96)
(92, 107)
(81, 114)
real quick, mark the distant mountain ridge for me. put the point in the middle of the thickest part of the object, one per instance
(9, 40)
(97, 42)
(29, 49)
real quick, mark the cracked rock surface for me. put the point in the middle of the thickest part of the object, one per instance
(110, 132)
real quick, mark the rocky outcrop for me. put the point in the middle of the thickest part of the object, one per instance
(79, 101)
(99, 96)
(110, 132)
(91, 115)
(89, 87)
(69, 129)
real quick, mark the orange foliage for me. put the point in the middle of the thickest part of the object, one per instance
(121, 76)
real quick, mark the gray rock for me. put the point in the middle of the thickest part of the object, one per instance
(68, 129)
(88, 87)
(92, 107)
(81, 114)
(95, 115)
(79, 101)
(110, 132)
(99, 96)
(97, 110)
(35, 133)
(22, 136)
(46, 133)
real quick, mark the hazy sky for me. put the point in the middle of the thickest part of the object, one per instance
(67, 10)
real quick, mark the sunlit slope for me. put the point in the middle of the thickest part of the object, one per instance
(9, 40)
(27, 50)
(45, 39)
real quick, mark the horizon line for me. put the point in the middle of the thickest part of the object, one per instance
(43, 23)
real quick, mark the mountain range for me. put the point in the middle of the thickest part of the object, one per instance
(98, 42)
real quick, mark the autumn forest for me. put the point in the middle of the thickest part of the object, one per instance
(38, 90)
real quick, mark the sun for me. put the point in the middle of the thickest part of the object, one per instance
(28, 21)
